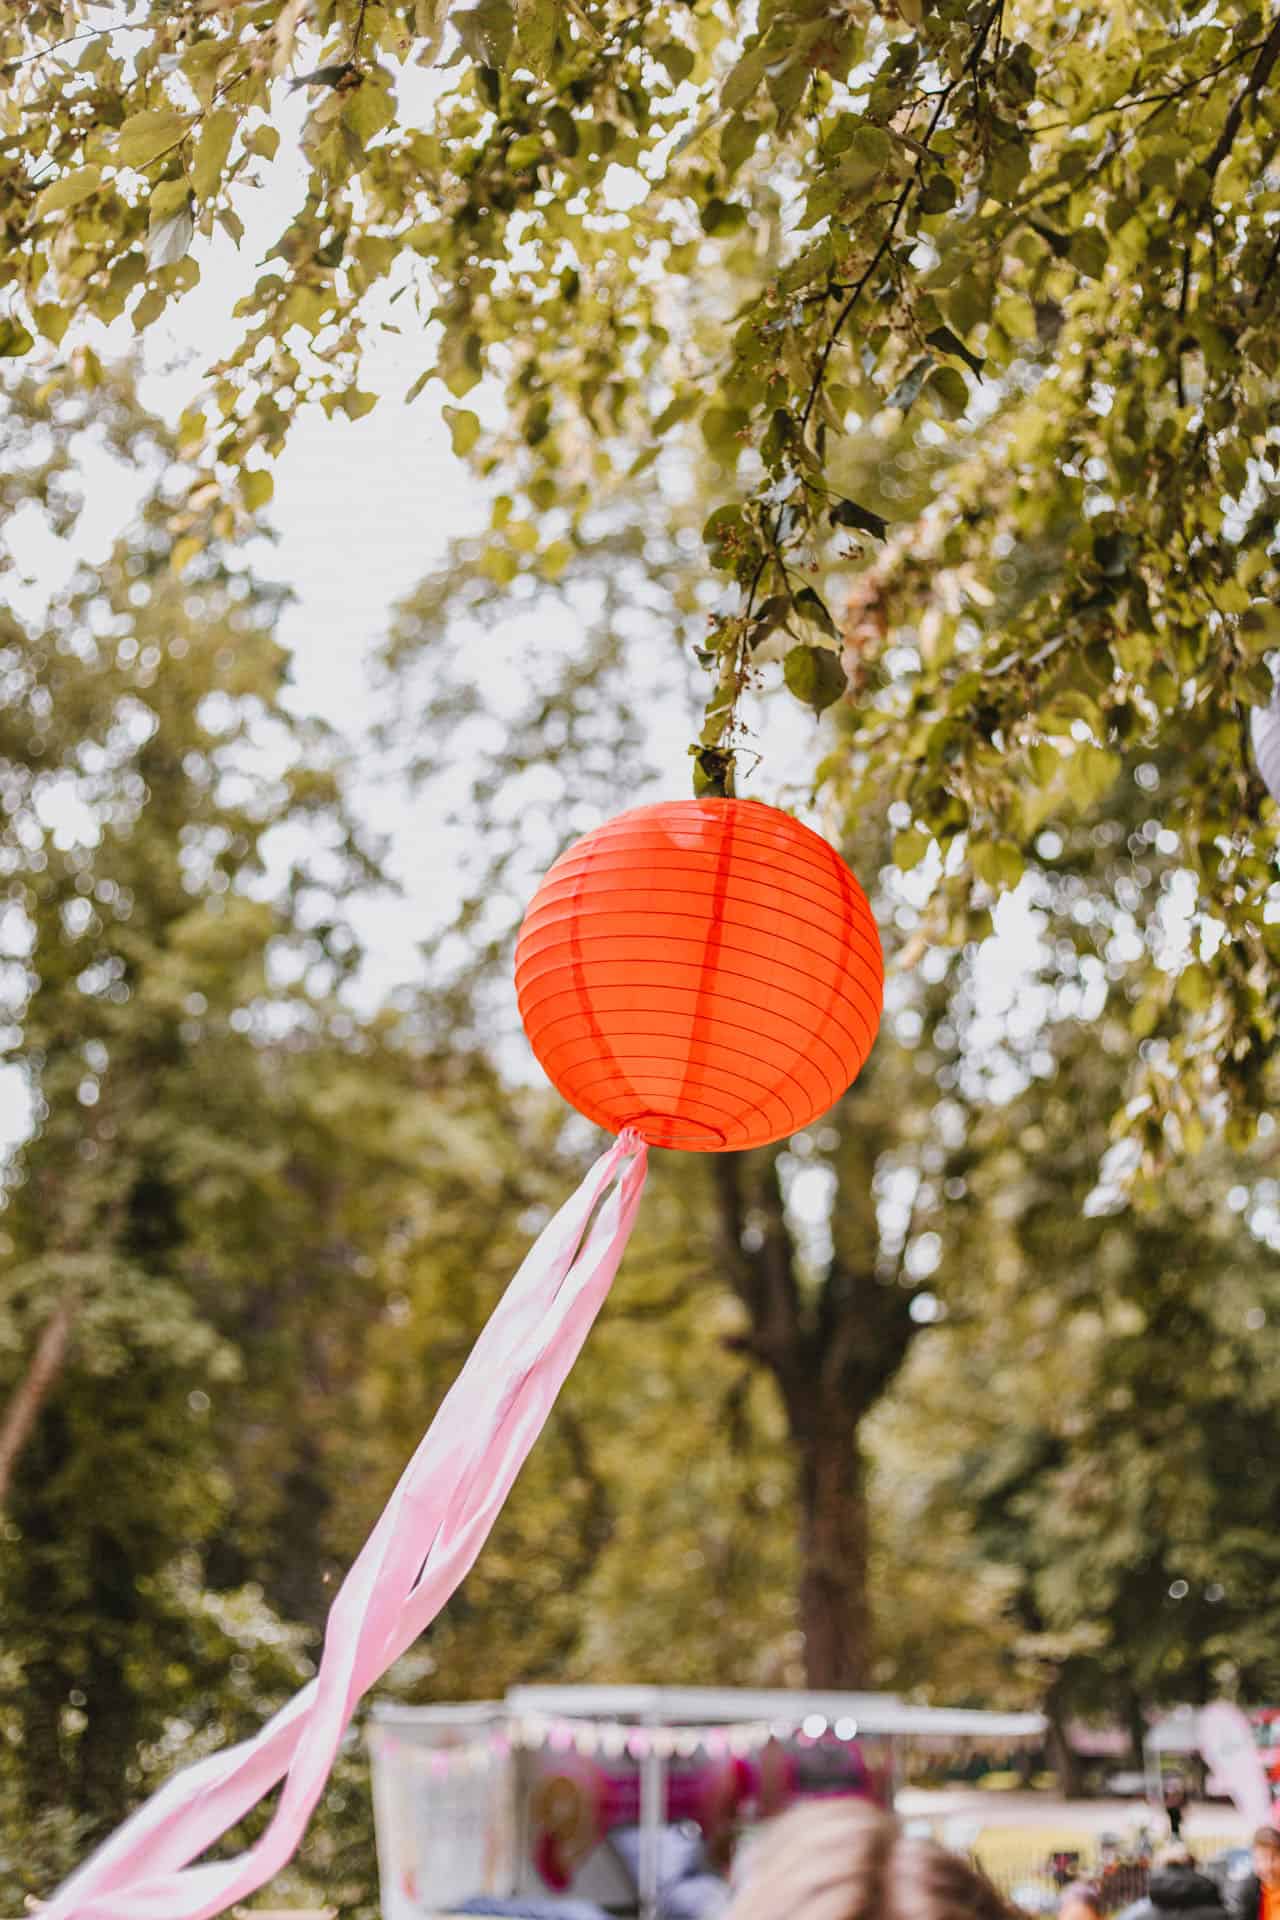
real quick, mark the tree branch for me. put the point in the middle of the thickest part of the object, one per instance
(1163, 99)
(1268, 270)
(764, 1281)
(28, 1398)
(73, 39)
(994, 13)
(1268, 54)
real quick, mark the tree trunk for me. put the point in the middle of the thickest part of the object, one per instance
(34, 1388)
(832, 1359)
(1136, 1722)
(835, 1610)
(1062, 1757)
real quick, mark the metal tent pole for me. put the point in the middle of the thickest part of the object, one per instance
(653, 1794)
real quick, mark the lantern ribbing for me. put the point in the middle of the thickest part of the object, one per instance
(707, 972)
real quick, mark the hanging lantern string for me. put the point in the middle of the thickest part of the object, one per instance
(615, 1740)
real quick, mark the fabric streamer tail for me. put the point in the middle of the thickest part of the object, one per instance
(427, 1538)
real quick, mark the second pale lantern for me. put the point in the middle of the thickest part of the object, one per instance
(1264, 725)
(705, 971)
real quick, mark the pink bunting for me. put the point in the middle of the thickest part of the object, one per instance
(428, 1537)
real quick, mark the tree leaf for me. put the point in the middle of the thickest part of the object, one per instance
(1087, 249)
(678, 408)
(429, 17)
(744, 80)
(678, 60)
(738, 141)
(722, 216)
(1195, 988)
(847, 513)
(368, 111)
(938, 194)
(815, 676)
(769, 616)
(810, 606)
(1090, 773)
(212, 148)
(563, 130)
(69, 191)
(486, 31)
(257, 488)
(948, 389)
(170, 237)
(464, 429)
(167, 198)
(910, 848)
(947, 342)
(537, 32)
(184, 551)
(908, 388)
(145, 136)
(14, 338)
(997, 862)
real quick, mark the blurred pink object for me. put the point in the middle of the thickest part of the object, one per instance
(1227, 1742)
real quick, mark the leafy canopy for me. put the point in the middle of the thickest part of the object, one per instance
(1002, 271)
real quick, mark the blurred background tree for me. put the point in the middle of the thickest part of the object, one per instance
(942, 336)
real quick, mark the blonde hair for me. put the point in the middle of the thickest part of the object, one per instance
(1081, 1897)
(845, 1860)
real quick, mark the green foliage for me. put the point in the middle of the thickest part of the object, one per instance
(1112, 1439)
(146, 759)
(988, 284)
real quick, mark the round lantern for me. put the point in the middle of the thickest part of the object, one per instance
(1264, 725)
(706, 972)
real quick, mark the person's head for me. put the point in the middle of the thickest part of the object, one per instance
(845, 1860)
(1174, 1856)
(1080, 1901)
(1266, 1856)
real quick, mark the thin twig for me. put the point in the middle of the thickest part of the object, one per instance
(971, 66)
(1182, 315)
(1157, 99)
(1268, 270)
(33, 1390)
(1268, 53)
(72, 39)
(994, 12)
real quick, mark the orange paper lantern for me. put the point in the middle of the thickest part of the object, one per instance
(707, 972)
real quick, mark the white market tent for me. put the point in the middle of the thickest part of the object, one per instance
(880, 1713)
(651, 1723)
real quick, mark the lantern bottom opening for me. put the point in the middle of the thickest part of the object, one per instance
(676, 1130)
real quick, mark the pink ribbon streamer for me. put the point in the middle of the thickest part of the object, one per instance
(428, 1537)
